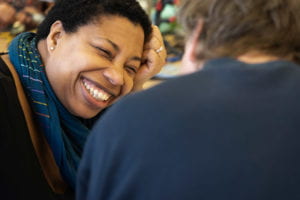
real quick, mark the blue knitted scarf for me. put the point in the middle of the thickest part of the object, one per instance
(65, 133)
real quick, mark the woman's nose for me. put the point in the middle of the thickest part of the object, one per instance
(114, 75)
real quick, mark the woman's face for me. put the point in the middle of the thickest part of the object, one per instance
(90, 69)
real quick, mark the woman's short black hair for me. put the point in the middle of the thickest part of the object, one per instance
(76, 13)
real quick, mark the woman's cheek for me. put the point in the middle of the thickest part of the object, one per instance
(128, 85)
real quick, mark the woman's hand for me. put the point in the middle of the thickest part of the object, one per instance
(153, 59)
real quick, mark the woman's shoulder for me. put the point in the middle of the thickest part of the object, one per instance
(7, 85)
(4, 70)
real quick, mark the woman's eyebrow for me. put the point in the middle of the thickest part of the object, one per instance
(114, 45)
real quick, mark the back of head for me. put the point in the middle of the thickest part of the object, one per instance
(234, 27)
(76, 13)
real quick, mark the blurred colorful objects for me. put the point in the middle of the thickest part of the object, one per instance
(165, 15)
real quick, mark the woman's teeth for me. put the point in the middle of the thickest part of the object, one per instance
(95, 92)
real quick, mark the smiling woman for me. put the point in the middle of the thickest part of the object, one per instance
(86, 55)
(101, 68)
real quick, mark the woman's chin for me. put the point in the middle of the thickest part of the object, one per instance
(85, 114)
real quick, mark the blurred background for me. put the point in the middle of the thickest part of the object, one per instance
(163, 14)
(17, 16)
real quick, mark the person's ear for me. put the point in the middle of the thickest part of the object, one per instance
(189, 61)
(193, 41)
(55, 34)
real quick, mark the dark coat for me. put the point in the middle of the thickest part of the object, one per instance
(21, 175)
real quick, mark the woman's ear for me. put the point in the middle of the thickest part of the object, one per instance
(189, 61)
(55, 34)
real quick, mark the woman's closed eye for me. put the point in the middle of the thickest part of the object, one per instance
(132, 70)
(105, 53)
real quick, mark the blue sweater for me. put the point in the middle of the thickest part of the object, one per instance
(228, 132)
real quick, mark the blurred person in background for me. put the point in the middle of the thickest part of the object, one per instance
(21, 16)
(7, 16)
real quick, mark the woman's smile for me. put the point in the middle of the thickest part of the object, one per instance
(95, 94)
